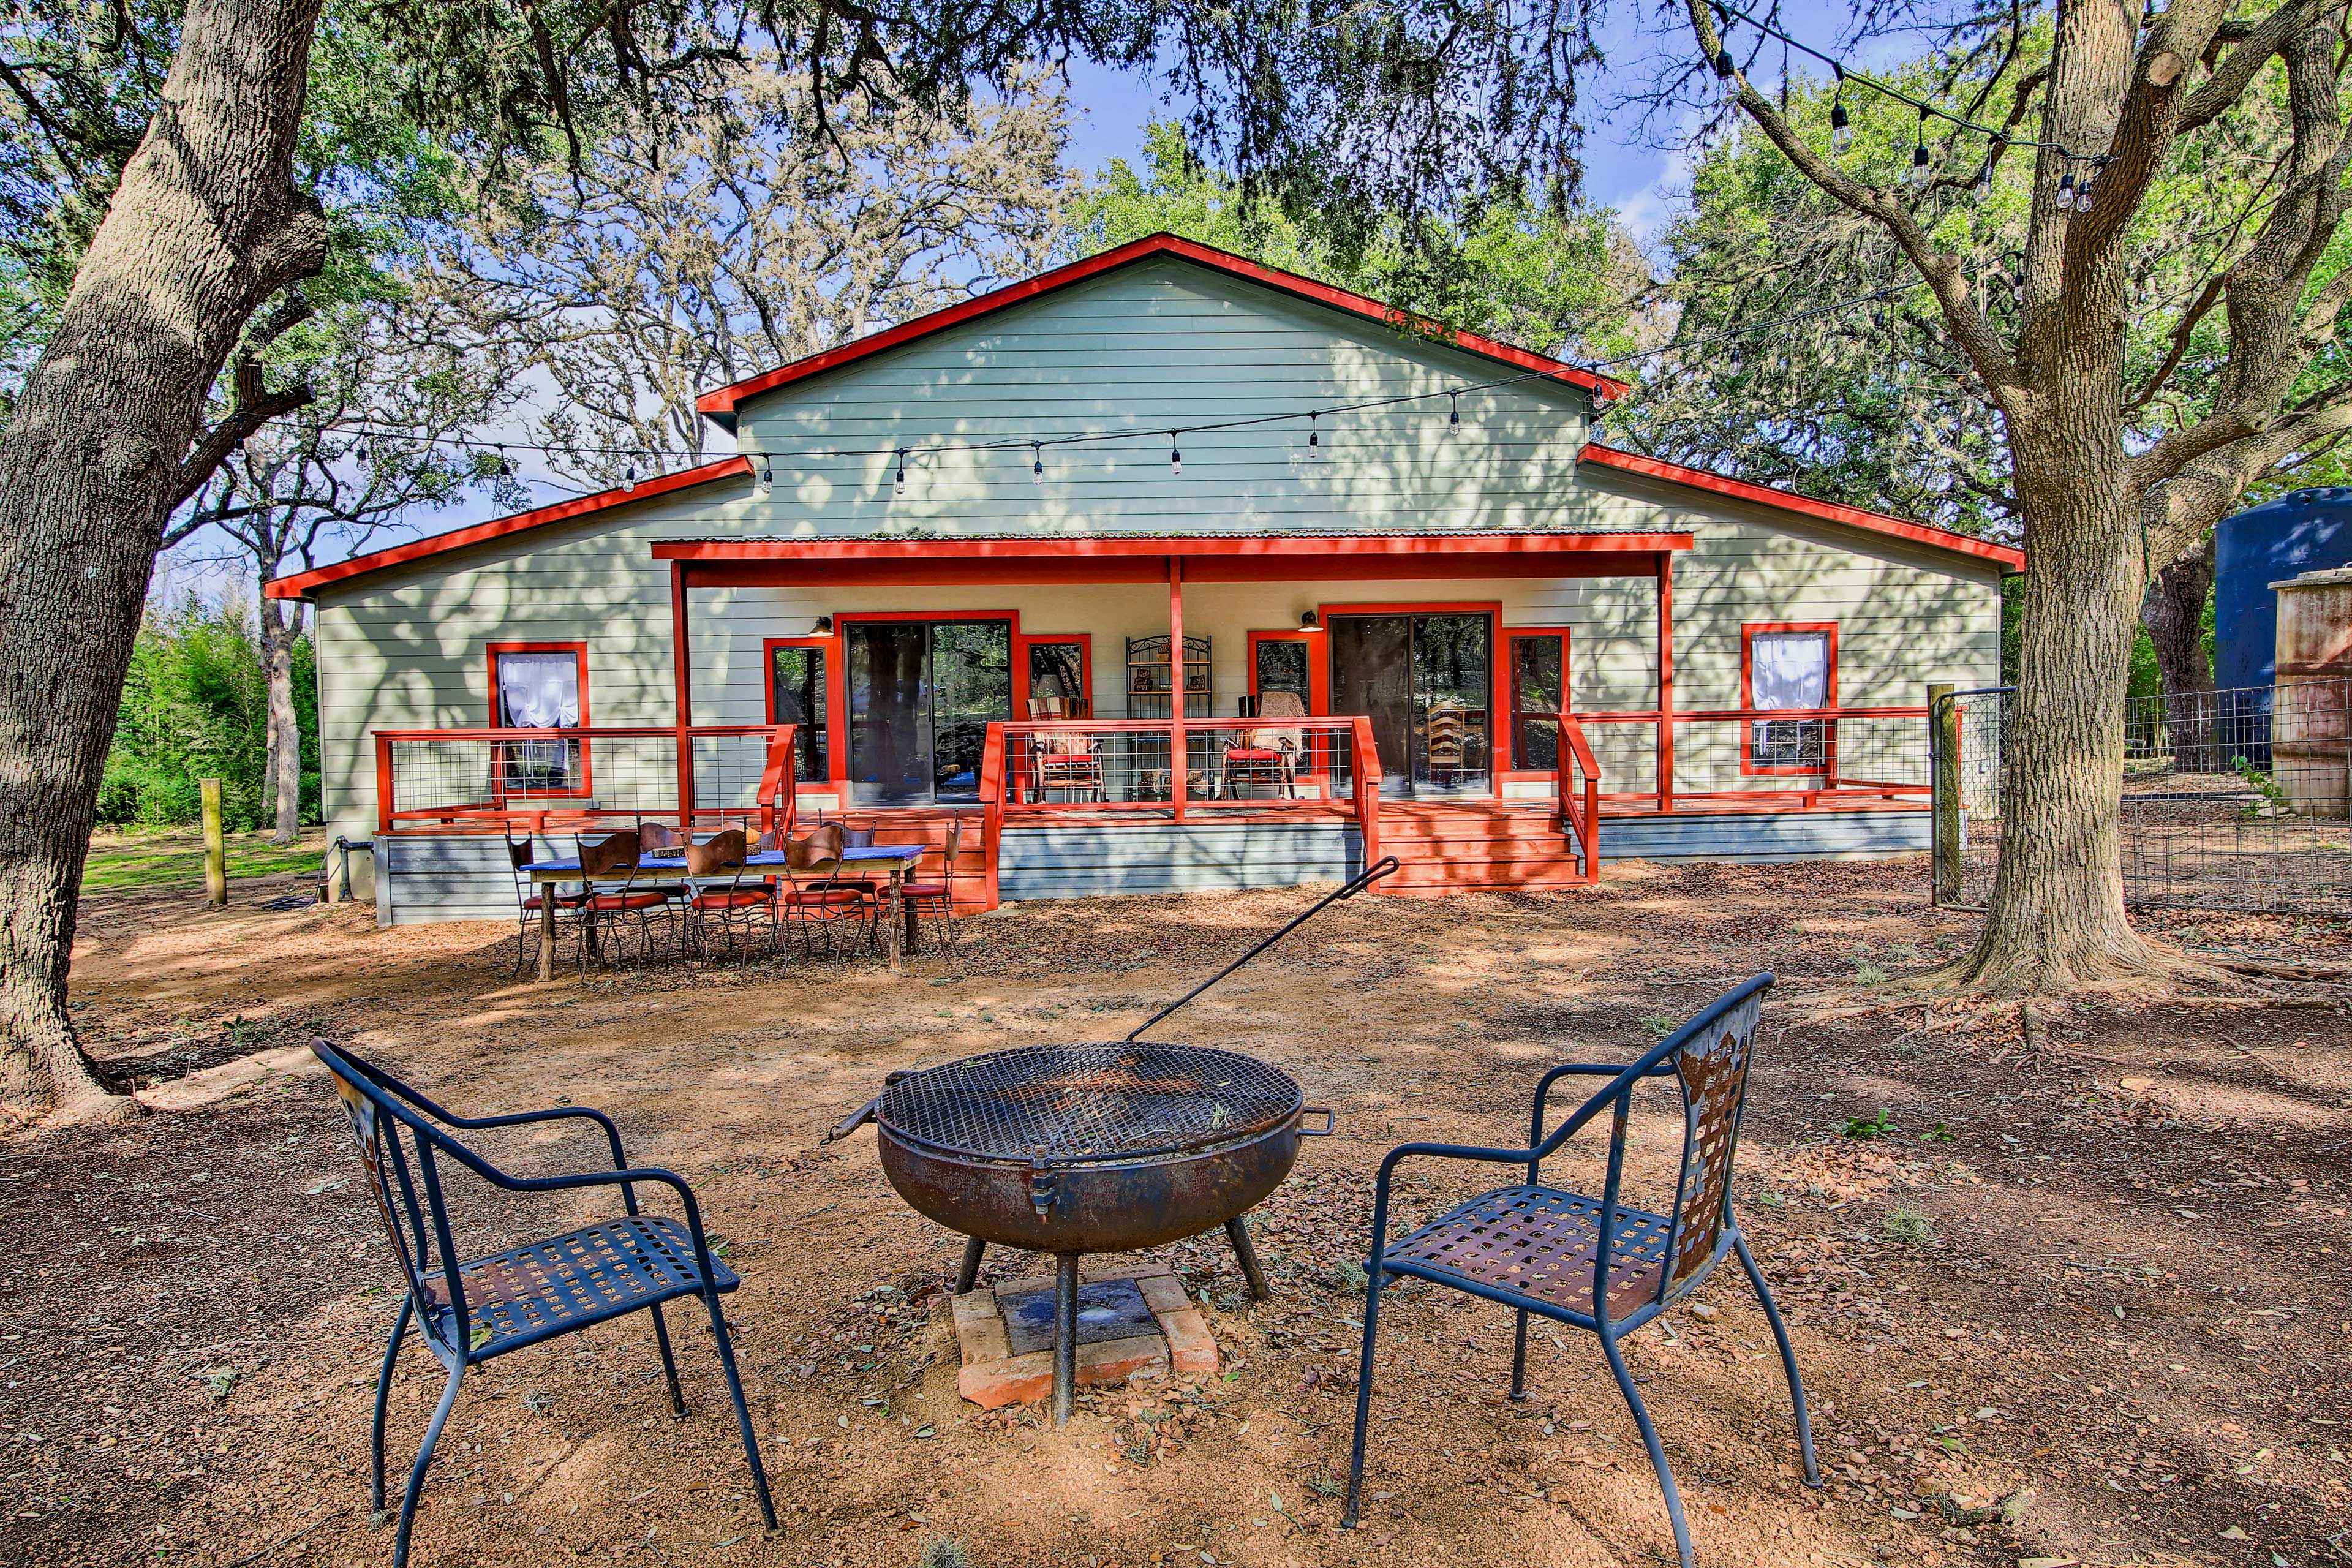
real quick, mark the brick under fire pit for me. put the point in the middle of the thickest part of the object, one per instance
(1133, 1322)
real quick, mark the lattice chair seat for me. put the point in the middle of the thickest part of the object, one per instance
(1540, 1242)
(527, 1293)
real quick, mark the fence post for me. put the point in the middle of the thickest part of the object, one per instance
(216, 851)
(1944, 761)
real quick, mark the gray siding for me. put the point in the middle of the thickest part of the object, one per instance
(1766, 839)
(1082, 860)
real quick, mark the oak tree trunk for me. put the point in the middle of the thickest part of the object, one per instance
(206, 225)
(285, 765)
(2174, 615)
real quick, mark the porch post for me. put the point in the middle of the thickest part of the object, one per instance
(685, 696)
(1665, 681)
(1177, 760)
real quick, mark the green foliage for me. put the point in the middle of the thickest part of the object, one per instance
(1561, 282)
(196, 704)
(1867, 1128)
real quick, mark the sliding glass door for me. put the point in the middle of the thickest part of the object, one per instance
(921, 697)
(1426, 681)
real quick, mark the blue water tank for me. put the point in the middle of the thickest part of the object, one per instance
(2303, 530)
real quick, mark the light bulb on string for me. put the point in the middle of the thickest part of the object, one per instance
(1036, 463)
(1175, 458)
(1453, 416)
(1314, 434)
(2083, 194)
(505, 470)
(629, 479)
(1919, 152)
(1841, 124)
(898, 484)
(766, 478)
(2066, 190)
(1982, 187)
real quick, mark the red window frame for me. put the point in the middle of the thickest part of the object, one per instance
(1318, 674)
(579, 651)
(831, 647)
(1510, 692)
(1085, 641)
(1748, 767)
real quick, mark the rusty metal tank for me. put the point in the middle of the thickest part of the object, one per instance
(2311, 723)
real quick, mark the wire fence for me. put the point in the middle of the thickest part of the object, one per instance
(2233, 801)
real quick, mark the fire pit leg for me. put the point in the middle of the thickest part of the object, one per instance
(969, 1274)
(1066, 1334)
(1238, 1234)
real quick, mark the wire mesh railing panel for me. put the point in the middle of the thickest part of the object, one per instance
(460, 778)
(2234, 800)
(1978, 724)
(1126, 765)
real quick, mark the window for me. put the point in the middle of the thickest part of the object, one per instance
(1790, 665)
(797, 695)
(1058, 677)
(1281, 664)
(540, 686)
(1538, 677)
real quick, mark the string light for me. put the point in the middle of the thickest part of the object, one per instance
(899, 485)
(766, 478)
(1453, 417)
(1313, 435)
(1175, 458)
(1841, 124)
(1919, 152)
(629, 481)
(1036, 462)
(505, 470)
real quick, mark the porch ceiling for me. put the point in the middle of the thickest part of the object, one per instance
(1149, 558)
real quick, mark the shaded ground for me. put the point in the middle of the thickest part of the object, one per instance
(2100, 1278)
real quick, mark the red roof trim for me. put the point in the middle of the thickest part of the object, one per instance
(726, 399)
(1064, 545)
(302, 585)
(2007, 555)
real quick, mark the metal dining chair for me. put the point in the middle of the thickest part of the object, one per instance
(531, 898)
(1542, 1249)
(812, 897)
(936, 899)
(468, 1310)
(600, 860)
(715, 867)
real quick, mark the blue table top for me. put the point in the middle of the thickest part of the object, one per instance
(909, 853)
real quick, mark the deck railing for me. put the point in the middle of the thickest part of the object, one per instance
(1124, 769)
(1578, 790)
(702, 773)
(1767, 759)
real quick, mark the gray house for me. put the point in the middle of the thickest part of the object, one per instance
(1161, 570)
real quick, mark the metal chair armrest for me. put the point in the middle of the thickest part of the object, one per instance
(1584, 1069)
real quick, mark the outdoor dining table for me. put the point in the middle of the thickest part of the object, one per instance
(899, 858)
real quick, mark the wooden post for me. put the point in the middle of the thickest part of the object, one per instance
(1179, 764)
(683, 673)
(1944, 759)
(1665, 681)
(216, 851)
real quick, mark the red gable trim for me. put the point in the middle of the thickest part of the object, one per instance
(2010, 557)
(303, 585)
(1159, 546)
(726, 399)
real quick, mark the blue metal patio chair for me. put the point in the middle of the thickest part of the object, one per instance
(1538, 1248)
(488, 1306)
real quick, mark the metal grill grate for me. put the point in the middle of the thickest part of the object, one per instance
(1067, 1103)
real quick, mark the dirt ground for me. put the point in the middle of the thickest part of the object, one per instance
(2081, 1300)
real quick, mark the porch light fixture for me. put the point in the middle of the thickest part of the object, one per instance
(1306, 622)
(1175, 458)
(899, 485)
(1036, 463)
(824, 624)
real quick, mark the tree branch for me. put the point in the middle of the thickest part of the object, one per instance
(255, 407)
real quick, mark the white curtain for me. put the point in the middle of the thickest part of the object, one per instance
(539, 690)
(1789, 670)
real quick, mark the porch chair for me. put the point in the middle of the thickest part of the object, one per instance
(809, 896)
(530, 898)
(1266, 758)
(1062, 761)
(659, 841)
(719, 859)
(1540, 1249)
(608, 912)
(472, 1310)
(937, 897)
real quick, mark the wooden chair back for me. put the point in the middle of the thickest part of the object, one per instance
(655, 836)
(717, 856)
(613, 852)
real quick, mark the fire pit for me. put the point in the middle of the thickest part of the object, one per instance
(1112, 1147)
